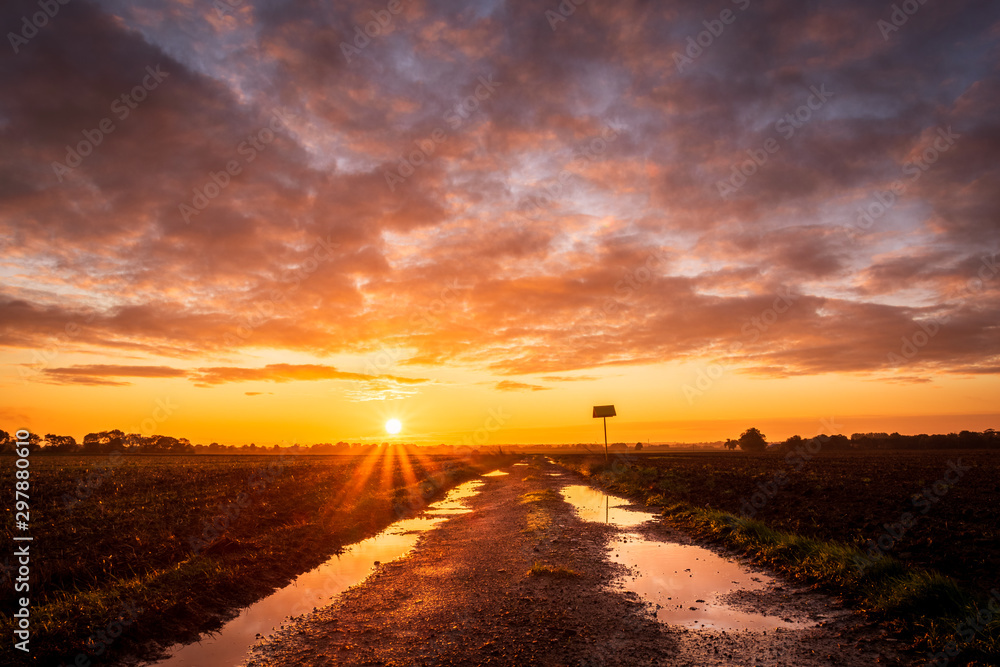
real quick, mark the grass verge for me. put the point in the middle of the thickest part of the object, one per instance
(554, 571)
(953, 625)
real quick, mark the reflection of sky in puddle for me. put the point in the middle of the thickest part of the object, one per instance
(495, 473)
(674, 576)
(315, 588)
(593, 505)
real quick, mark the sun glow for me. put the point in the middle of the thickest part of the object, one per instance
(393, 426)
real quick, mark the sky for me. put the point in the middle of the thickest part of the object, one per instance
(292, 221)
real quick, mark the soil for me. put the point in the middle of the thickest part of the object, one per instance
(465, 596)
(849, 497)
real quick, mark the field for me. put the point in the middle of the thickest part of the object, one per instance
(850, 497)
(134, 552)
(908, 513)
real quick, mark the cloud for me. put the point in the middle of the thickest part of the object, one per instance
(568, 378)
(105, 374)
(508, 385)
(306, 249)
(109, 375)
(204, 377)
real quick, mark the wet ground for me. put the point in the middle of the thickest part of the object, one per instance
(316, 588)
(687, 584)
(612, 585)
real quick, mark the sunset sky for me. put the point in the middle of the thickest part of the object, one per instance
(292, 221)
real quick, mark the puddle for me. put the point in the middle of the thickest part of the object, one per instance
(520, 464)
(495, 473)
(684, 582)
(315, 588)
(593, 505)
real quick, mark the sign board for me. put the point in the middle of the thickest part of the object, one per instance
(604, 411)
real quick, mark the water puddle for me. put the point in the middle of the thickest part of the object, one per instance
(684, 582)
(593, 505)
(495, 473)
(315, 588)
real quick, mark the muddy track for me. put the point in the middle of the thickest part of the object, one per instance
(464, 596)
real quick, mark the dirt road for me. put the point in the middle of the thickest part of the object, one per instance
(464, 596)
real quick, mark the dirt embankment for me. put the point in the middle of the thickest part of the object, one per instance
(465, 596)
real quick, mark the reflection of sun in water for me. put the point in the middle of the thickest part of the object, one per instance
(393, 426)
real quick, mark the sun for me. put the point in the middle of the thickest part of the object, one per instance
(393, 426)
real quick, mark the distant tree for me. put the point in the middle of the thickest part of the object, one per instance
(638, 446)
(752, 440)
(103, 442)
(838, 442)
(731, 444)
(790, 445)
(61, 443)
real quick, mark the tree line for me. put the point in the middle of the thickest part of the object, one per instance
(115, 440)
(752, 440)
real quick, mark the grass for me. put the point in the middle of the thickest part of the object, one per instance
(554, 571)
(930, 608)
(538, 496)
(539, 517)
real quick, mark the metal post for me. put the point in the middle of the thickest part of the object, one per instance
(605, 441)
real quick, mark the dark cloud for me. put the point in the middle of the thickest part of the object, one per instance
(631, 254)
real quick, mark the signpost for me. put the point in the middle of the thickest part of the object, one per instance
(604, 411)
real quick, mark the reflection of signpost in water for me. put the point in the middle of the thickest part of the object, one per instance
(604, 411)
